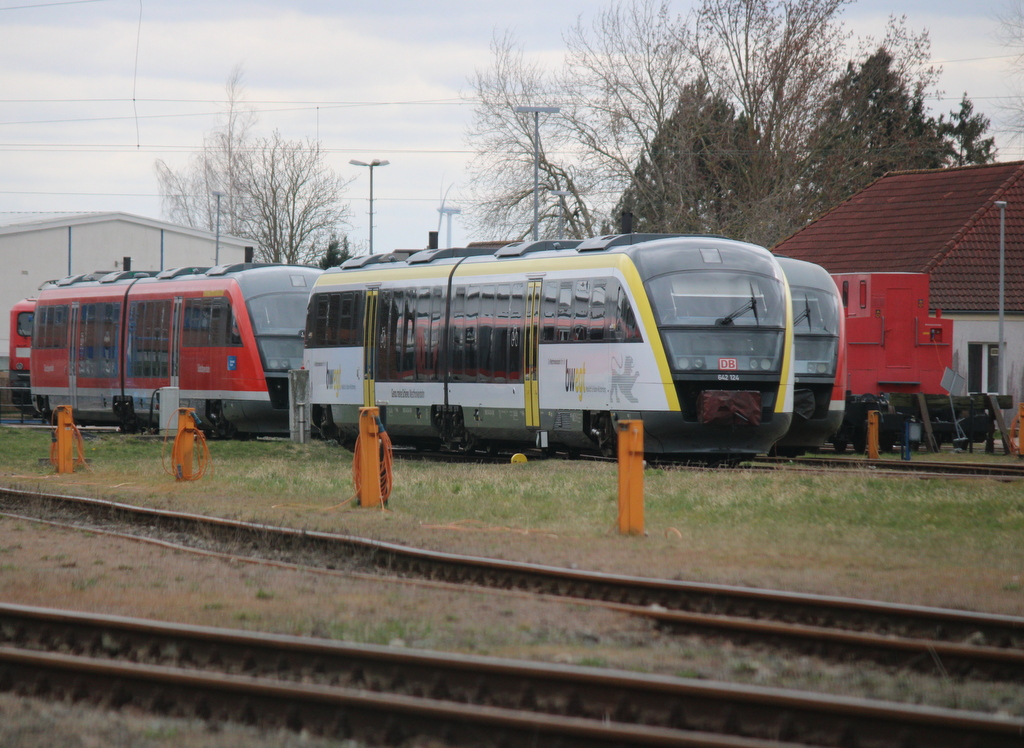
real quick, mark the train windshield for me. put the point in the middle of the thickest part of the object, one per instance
(717, 299)
(25, 324)
(279, 321)
(814, 312)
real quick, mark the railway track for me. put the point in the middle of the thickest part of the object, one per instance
(935, 640)
(387, 695)
(922, 468)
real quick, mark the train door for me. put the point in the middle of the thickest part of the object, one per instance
(175, 363)
(73, 348)
(371, 343)
(531, 354)
(899, 333)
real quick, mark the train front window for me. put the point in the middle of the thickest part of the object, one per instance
(814, 311)
(717, 299)
(25, 324)
(279, 313)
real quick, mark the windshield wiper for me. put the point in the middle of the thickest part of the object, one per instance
(750, 306)
(804, 315)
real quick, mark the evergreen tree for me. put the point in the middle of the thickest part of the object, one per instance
(338, 250)
(964, 130)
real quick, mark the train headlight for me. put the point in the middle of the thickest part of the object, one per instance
(698, 363)
(766, 363)
(19, 366)
(682, 363)
(753, 363)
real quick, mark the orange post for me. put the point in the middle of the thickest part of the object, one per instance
(183, 453)
(1015, 438)
(873, 420)
(631, 477)
(65, 440)
(368, 490)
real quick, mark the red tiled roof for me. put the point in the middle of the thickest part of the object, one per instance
(944, 222)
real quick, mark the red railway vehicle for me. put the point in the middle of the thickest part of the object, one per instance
(894, 345)
(20, 355)
(225, 336)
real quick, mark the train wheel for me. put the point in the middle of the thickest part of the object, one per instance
(607, 438)
(839, 445)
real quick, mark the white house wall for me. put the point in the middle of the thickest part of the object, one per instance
(984, 328)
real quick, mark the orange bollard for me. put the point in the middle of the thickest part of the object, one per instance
(873, 420)
(65, 439)
(367, 458)
(183, 452)
(631, 477)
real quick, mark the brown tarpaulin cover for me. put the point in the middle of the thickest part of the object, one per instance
(730, 408)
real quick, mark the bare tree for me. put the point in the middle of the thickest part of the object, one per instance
(620, 80)
(278, 193)
(188, 195)
(501, 173)
(775, 61)
(291, 201)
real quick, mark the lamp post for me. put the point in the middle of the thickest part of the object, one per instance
(562, 194)
(536, 111)
(375, 162)
(1001, 204)
(449, 212)
(216, 251)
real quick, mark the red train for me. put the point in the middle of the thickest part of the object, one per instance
(20, 355)
(225, 336)
(894, 345)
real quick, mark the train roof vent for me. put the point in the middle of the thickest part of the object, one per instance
(364, 260)
(429, 255)
(122, 274)
(83, 278)
(239, 267)
(519, 249)
(178, 272)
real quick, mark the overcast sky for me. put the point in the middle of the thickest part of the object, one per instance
(95, 91)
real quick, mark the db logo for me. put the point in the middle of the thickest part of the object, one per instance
(728, 364)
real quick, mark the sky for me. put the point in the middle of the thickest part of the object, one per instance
(95, 91)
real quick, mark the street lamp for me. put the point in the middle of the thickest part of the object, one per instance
(536, 110)
(1001, 204)
(216, 252)
(449, 212)
(562, 194)
(375, 162)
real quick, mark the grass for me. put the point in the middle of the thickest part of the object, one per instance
(855, 526)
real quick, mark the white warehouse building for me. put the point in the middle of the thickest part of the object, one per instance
(36, 251)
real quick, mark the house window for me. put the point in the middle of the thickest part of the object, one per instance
(983, 367)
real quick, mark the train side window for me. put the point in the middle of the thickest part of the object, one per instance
(581, 310)
(485, 335)
(97, 339)
(501, 333)
(24, 324)
(598, 320)
(515, 348)
(550, 305)
(149, 326)
(408, 371)
(469, 340)
(626, 328)
(846, 294)
(437, 313)
(863, 294)
(458, 325)
(52, 326)
(563, 332)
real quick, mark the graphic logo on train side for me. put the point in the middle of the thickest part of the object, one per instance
(576, 379)
(728, 364)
